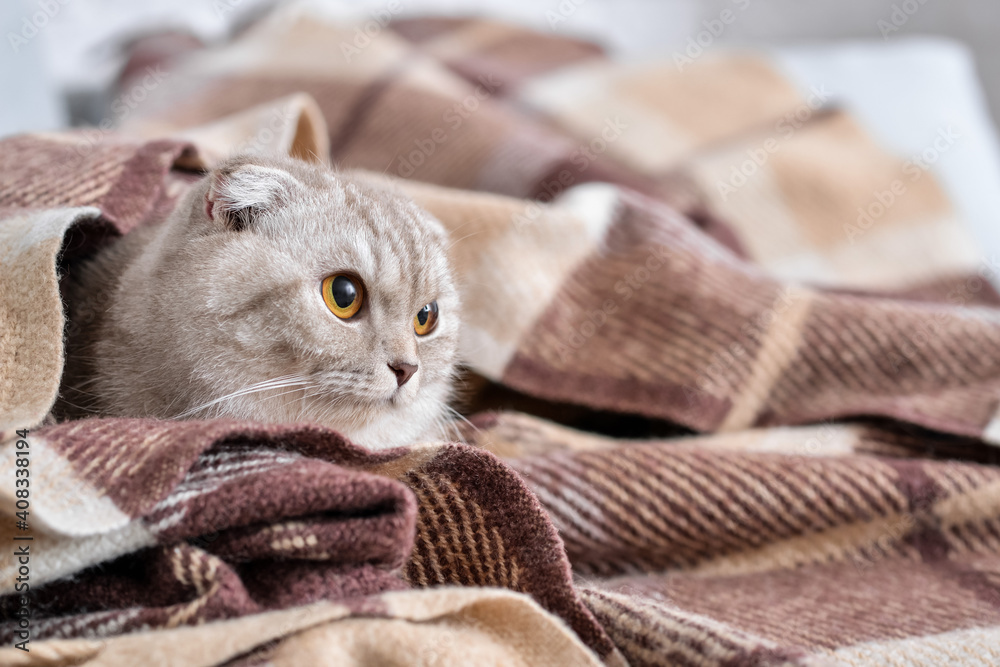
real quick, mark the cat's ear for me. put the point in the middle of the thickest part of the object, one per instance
(239, 193)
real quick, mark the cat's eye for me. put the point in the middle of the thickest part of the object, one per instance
(343, 295)
(426, 319)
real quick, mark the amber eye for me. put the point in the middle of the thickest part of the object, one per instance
(426, 319)
(343, 295)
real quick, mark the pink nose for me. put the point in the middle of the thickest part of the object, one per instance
(403, 371)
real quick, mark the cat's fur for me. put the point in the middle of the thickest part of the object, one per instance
(225, 295)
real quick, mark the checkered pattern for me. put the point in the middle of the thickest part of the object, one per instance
(840, 506)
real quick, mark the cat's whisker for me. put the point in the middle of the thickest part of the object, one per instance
(86, 383)
(74, 405)
(462, 239)
(252, 409)
(451, 429)
(448, 428)
(459, 415)
(276, 383)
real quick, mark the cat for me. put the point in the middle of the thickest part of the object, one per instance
(276, 291)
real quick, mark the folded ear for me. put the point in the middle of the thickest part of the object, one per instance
(240, 192)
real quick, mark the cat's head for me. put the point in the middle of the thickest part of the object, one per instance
(294, 293)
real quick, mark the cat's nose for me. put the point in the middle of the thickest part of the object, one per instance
(403, 371)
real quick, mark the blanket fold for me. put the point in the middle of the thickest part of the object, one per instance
(443, 626)
(246, 523)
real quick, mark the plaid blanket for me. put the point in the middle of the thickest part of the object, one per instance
(727, 420)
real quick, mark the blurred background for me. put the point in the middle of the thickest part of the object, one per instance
(904, 68)
(78, 48)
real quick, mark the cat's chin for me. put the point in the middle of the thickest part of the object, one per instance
(396, 420)
(391, 430)
(400, 421)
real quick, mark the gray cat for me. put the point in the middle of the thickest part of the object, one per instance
(276, 291)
